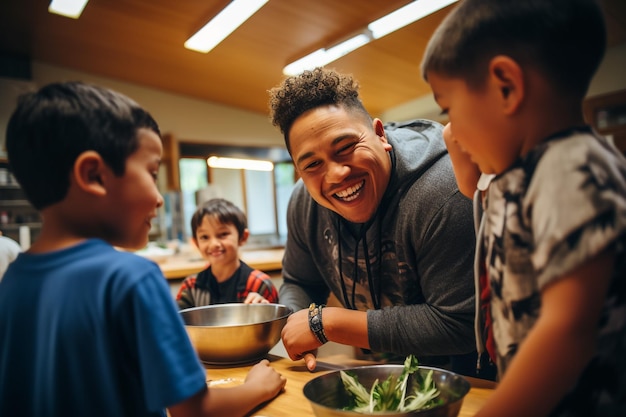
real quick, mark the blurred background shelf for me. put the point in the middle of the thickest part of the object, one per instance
(16, 213)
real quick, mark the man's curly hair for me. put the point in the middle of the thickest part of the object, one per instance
(310, 90)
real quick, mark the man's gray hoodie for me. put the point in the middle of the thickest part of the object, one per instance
(413, 261)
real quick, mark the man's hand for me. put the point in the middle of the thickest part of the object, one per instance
(299, 340)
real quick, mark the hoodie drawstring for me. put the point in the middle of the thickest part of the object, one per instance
(374, 294)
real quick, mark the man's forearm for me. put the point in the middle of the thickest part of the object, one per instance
(293, 296)
(420, 329)
(346, 327)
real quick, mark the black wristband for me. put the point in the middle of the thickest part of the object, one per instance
(315, 322)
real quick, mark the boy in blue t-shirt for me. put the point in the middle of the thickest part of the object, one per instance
(88, 330)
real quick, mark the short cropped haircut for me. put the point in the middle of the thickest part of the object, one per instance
(50, 128)
(224, 211)
(563, 39)
(309, 90)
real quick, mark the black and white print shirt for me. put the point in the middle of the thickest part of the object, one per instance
(560, 206)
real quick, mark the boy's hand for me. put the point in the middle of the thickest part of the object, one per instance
(255, 298)
(263, 376)
(466, 171)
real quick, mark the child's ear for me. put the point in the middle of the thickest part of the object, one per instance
(508, 77)
(244, 237)
(89, 173)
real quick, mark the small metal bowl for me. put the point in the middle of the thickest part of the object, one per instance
(328, 397)
(226, 334)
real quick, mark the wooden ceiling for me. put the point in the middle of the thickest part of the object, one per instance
(141, 41)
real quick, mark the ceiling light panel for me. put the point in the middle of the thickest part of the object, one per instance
(222, 25)
(322, 57)
(406, 15)
(236, 163)
(395, 20)
(67, 8)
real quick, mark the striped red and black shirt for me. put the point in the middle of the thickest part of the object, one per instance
(203, 289)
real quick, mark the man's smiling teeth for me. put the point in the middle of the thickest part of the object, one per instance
(350, 193)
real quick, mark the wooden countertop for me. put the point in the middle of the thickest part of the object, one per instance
(178, 266)
(292, 401)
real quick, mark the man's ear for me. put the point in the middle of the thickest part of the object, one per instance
(90, 173)
(244, 237)
(507, 76)
(379, 129)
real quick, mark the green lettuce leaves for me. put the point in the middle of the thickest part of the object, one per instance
(391, 394)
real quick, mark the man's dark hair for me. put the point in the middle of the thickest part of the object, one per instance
(224, 211)
(564, 39)
(51, 127)
(309, 90)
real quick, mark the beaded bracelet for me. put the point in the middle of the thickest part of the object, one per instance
(315, 322)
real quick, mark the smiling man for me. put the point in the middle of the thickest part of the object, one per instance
(377, 219)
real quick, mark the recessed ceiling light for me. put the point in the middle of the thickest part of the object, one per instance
(322, 57)
(67, 8)
(377, 29)
(236, 163)
(405, 16)
(222, 25)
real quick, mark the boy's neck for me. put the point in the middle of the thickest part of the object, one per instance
(50, 242)
(224, 272)
(546, 114)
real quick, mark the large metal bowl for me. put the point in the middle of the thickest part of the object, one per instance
(328, 397)
(225, 334)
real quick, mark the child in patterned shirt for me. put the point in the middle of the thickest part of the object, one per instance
(219, 229)
(512, 77)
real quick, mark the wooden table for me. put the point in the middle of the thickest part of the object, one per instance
(292, 401)
(266, 260)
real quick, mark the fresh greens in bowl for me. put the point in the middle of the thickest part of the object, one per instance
(391, 394)
(387, 390)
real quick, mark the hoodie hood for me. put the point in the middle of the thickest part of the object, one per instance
(411, 155)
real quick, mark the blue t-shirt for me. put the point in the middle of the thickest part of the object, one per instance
(92, 331)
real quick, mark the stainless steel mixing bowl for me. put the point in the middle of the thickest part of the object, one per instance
(234, 333)
(328, 396)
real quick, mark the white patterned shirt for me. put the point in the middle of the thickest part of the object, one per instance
(560, 206)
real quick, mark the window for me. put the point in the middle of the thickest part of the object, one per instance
(261, 204)
(193, 177)
(284, 179)
(263, 195)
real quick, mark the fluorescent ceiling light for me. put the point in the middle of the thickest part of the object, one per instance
(222, 25)
(67, 8)
(235, 163)
(377, 29)
(322, 57)
(405, 16)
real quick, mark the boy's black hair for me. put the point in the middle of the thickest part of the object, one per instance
(224, 211)
(311, 89)
(51, 127)
(564, 39)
